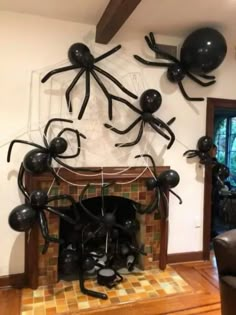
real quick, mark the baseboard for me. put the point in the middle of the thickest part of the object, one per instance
(12, 281)
(184, 257)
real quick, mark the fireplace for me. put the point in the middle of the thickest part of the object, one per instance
(43, 269)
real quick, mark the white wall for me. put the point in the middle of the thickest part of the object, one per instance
(30, 46)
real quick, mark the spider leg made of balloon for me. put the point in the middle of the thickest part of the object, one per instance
(39, 206)
(83, 289)
(154, 203)
(191, 153)
(88, 67)
(25, 142)
(174, 66)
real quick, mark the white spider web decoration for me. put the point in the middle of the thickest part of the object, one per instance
(48, 101)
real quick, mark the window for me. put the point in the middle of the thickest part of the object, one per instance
(225, 139)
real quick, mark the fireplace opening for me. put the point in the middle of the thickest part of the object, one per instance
(111, 242)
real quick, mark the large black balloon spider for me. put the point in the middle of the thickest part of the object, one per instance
(161, 184)
(107, 220)
(81, 58)
(23, 217)
(105, 227)
(202, 52)
(204, 146)
(38, 161)
(150, 102)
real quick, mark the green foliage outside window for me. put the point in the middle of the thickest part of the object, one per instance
(225, 139)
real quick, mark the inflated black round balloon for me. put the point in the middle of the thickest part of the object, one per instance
(203, 50)
(79, 54)
(89, 263)
(220, 170)
(169, 178)
(58, 145)
(204, 157)
(109, 219)
(36, 161)
(150, 100)
(68, 262)
(124, 250)
(151, 183)
(175, 73)
(131, 225)
(204, 144)
(22, 218)
(38, 198)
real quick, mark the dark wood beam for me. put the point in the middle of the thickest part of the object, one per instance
(114, 16)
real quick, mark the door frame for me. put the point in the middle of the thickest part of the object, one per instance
(213, 104)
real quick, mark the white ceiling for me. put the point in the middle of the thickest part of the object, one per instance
(172, 17)
(83, 11)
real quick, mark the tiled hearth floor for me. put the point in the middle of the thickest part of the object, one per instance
(65, 297)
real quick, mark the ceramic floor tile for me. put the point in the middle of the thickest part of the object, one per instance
(65, 297)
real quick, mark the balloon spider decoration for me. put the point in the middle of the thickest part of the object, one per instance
(161, 184)
(81, 58)
(204, 145)
(150, 102)
(220, 172)
(202, 52)
(39, 160)
(105, 227)
(23, 217)
(107, 220)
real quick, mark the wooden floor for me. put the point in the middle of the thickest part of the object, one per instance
(202, 277)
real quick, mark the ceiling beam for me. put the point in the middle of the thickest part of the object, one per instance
(114, 16)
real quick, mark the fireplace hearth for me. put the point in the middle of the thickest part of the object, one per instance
(152, 231)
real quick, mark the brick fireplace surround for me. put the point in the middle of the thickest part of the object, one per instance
(42, 269)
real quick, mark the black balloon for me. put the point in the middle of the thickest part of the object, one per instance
(77, 53)
(68, 262)
(204, 144)
(151, 183)
(36, 161)
(131, 225)
(89, 263)
(220, 170)
(150, 101)
(22, 218)
(203, 50)
(169, 178)
(175, 73)
(58, 145)
(38, 198)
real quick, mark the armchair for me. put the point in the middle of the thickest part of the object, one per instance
(225, 252)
